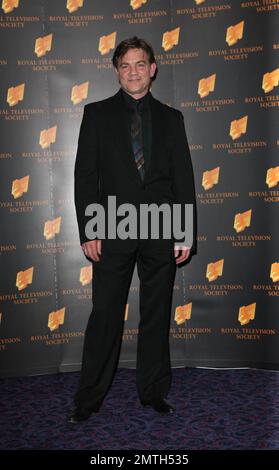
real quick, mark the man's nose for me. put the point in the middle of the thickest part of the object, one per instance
(133, 69)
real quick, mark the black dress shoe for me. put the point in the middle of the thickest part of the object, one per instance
(78, 415)
(161, 405)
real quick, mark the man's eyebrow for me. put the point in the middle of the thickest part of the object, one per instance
(125, 63)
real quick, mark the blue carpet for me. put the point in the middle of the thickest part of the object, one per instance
(215, 409)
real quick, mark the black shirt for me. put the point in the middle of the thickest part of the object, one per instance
(144, 108)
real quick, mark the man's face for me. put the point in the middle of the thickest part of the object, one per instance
(134, 72)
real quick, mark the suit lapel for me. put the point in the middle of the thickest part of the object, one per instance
(158, 132)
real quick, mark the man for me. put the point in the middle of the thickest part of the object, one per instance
(135, 148)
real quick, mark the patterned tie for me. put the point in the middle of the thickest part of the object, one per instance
(136, 137)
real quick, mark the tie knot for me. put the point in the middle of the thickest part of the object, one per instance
(138, 105)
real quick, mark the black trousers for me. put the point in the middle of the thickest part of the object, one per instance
(112, 276)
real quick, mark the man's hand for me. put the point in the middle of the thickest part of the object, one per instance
(185, 252)
(92, 249)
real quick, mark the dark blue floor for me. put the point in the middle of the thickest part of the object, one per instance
(215, 409)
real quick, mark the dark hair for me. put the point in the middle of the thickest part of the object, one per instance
(133, 43)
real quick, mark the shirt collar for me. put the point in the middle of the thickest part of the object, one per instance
(131, 102)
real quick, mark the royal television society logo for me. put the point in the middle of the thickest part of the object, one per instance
(234, 33)
(15, 94)
(24, 278)
(210, 178)
(238, 127)
(52, 228)
(206, 85)
(215, 270)
(43, 45)
(20, 186)
(74, 5)
(9, 5)
(48, 137)
(183, 313)
(170, 39)
(86, 275)
(107, 43)
(56, 319)
(135, 4)
(242, 220)
(246, 313)
(79, 93)
(270, 80)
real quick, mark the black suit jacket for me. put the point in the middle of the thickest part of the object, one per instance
(105, 163)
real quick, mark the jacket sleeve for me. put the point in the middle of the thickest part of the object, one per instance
(86, 171)
(183, 175)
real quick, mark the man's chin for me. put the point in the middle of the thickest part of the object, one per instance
(136, 91)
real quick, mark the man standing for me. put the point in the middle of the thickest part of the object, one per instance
(133, 147)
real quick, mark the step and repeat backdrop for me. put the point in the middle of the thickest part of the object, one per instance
(218, 63)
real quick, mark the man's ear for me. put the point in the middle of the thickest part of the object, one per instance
(116, 71)
(153, 68)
